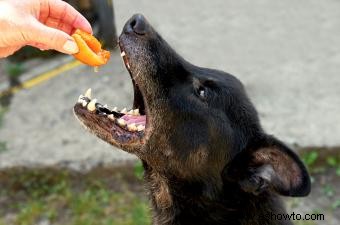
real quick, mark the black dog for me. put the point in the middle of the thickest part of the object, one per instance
(206, 158)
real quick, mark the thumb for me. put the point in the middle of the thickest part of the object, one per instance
(53, 39)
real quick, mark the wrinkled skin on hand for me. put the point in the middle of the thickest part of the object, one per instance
(45, 24)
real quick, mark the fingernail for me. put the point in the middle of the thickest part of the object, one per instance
(70, 47)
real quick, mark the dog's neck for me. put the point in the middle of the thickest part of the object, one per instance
(177, 201)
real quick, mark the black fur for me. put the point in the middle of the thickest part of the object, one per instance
(207, 159)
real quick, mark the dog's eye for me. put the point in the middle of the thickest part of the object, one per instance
(201, 92)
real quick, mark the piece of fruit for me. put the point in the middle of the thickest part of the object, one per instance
(90, 49)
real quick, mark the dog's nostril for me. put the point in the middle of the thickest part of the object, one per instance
(133, 23)
(138, 25)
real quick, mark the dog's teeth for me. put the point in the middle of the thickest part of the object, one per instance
(121, 122)
(132, 127)
(115, 109)
(92, 105)
(80, 99)
(141, 128)
(130, 112)
(111, 117)
(123, 111)
(84, 103)
(136, 112)
(88, 93)
(128, 65)
(122, 54)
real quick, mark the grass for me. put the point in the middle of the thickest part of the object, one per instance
(100, 197)
(320, 161)
(3, 146)
(328, 190)
(336, 204)
(14, 70)
(309, 158)
(323, 165)
(139, 170)
(103, 196)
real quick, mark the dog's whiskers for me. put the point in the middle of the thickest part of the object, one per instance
(139, 69)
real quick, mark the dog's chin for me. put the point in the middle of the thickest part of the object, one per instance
(127, 129)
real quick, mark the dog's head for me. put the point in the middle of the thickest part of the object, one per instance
(193, 123)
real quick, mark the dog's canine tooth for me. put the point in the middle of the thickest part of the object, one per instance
(140, 128)
(80, 99)
(84, 102)
(132, 127)
(122, 54)
(115, 109)
(88, 93)
(128, 65)
(136, 112)
(92, 105)
(111, 117)
(130, 112)
(121, 122)
(123, 111)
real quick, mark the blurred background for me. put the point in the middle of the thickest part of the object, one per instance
(287, 54)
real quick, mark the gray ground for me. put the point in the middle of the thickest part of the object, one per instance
(40, 128)
(287, 53)
(2, 72)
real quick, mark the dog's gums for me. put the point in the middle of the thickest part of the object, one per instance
(124, 126)
(129, 120)
(118, 127)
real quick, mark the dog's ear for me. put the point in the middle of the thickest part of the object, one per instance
(266, 164)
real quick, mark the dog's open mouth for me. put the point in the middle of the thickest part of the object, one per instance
(124, 127)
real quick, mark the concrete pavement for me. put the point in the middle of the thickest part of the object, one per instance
(287, 53)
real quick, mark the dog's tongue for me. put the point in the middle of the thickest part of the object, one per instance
(138, 120)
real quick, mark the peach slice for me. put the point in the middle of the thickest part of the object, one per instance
(90, 49)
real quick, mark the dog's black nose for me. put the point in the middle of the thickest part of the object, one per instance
(137, 24)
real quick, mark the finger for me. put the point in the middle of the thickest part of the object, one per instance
(40, 46)
(52, 38)
(64, 13)
(7, 51)
(55, 23)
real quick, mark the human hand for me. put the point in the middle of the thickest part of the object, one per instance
(45, 24)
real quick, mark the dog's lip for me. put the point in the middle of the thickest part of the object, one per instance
(131, 119)
(127, 62)
(124, 57)
(107, 129)
(124, 128)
